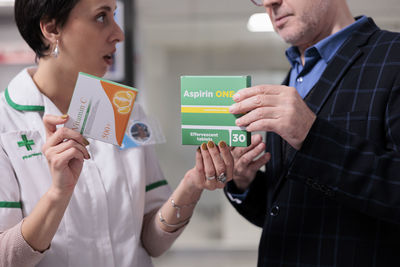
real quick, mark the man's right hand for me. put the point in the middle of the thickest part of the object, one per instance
(246, 166)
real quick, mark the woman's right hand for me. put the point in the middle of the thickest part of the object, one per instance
(65, 151)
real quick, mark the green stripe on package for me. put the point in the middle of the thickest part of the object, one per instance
(205, 102)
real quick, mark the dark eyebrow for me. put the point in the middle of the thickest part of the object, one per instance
(106, 8)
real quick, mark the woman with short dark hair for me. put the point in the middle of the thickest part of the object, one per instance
(63, 201)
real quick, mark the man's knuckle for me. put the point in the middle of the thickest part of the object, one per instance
(260, 114)
(257, 100)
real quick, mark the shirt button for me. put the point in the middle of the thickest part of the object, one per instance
(274, 211)
(300, 79)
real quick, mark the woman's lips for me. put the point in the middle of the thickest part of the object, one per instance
(108, 59)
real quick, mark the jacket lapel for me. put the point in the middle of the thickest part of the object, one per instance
(339, 66)
(329, 80)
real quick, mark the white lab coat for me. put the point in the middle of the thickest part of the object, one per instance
(103, 222)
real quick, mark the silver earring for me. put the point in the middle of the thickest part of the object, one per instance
(55, 51)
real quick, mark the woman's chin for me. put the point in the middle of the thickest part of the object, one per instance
(97, 73)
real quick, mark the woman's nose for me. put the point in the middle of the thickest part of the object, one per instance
(117, 35)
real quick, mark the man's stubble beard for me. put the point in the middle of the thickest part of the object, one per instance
(301, 34)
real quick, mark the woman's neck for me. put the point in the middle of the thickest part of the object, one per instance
(55, 82)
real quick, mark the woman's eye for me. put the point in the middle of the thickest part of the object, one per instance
(100, 18)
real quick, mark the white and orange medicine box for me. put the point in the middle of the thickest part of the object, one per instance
(100, 109)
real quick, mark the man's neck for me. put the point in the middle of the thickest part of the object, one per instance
(342, 18)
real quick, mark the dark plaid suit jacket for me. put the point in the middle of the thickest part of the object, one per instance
(336, 202)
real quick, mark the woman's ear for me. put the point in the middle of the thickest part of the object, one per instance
(50, 31)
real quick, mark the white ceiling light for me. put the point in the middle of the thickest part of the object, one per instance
(260, 22)
(6, 3)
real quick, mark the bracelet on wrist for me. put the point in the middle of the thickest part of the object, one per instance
(176, 225)
(179, 207)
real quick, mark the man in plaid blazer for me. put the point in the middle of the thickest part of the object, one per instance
(330, 194)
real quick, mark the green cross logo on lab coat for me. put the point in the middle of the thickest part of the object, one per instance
(25, 142)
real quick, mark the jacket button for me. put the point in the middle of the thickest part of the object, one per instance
(274, 211)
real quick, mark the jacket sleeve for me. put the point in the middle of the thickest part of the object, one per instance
(353, 170)
(252, 203)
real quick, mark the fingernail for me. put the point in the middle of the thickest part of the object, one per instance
(64, 116)
(232, 108)
(222, 144)
(211, 144)
(85, 141)
(238, 122)
(236, 97)
(204, 146)
(198, 149)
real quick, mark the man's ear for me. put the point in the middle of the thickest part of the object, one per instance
(50, 31)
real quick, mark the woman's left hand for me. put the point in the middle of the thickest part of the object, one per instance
(214, 166)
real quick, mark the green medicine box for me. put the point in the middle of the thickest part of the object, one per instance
(205, 102)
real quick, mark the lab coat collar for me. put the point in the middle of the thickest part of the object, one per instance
(22, 93)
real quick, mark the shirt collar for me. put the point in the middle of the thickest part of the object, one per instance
(22, 93)
(326, 48)
(293, 55)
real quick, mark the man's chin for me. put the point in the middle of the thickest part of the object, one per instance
(290, 37)
(289, 40)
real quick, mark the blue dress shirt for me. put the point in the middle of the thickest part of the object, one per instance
(317, 57)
